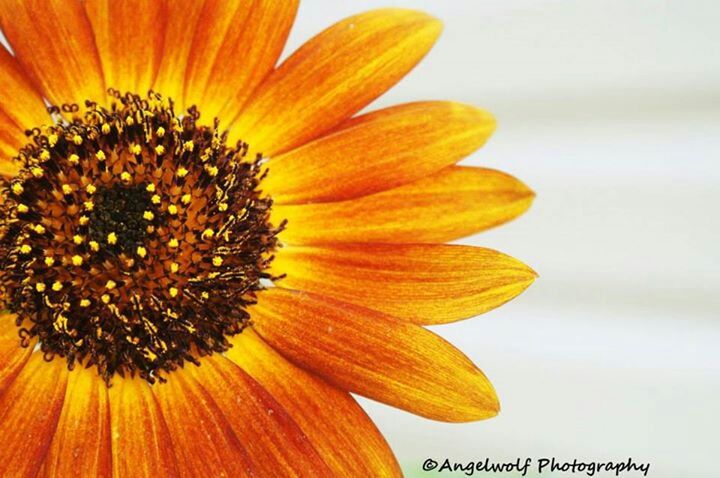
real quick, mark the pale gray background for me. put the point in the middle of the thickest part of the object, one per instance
(610, 110)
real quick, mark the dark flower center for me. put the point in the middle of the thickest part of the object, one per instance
(133, 238)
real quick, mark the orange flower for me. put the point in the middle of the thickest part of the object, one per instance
(190, 297)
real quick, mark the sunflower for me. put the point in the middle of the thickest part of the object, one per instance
(202, 254)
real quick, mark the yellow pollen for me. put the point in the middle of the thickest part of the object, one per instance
(37, 171)
(40, 287)
(90, 189)
(105, 298)
(77, 260)
(39, 229)
(136, 149)
(18, 188)
(141, 251)
(205, 295)
(173, 243)
(105, 128)
(25, 249)
(66, 189)
(155, 199)
(173, 292)
(174, 267)
(84, 303)
(160, 132)
(89, 205)
(129, 120)
(186, 198)
(148, 215)
(52, 139)
(112, 238)
(83, 220)
(77, 139)
(44, 155)
(100, 155)
(125, 176)
(150, 188)
(74, 158)
(57, 286)
(78, 239)
(182, 172)
(110, 285)
(49, 261)
(172, 209)
(22, 209)
(208, 233)
(212, 170)
(160, 149)
(217, 261)
(94, 246)
(188, 146)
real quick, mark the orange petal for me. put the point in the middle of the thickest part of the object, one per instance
(236, 45)
(374, 355)
(421, 283)
(378, 151)
(182, 19)
(454, 203)
(29, 411)
(21, 108)
(141, 445)
(53, 42)
(82, 440)
(334, 75)
(129, 35)
(203, 440)
(12, 355)
(276, 444)
(334, 423)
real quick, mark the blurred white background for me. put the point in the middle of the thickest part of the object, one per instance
(610, 110)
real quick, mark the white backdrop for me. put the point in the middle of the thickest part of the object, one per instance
(610, 110)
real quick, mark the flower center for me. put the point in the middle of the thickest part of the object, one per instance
(133, 239)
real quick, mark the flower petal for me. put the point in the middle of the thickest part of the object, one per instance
(82, 438)
(182, 19)
(21, 108)
(236, 45)
(276, 444)
(374, 355)
(29, 411)
(454, 203)
(129, 36)
(12, 355)
(204, 443)
(141, 445)
(53, 42)
(378, 151)
(420, 283)
(334, 75)
(334, 423)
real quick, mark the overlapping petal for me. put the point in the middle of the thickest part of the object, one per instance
(203, 440)
(335, 424)
(454, 203)
(378, 151)
(370, 353)
(129, 36)
(141, 445)
(236, 44)
(420, 283)
(82, 437)
(276, 444)
(29, 412)
(53, 41)
(332, 76)
(12, 356)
